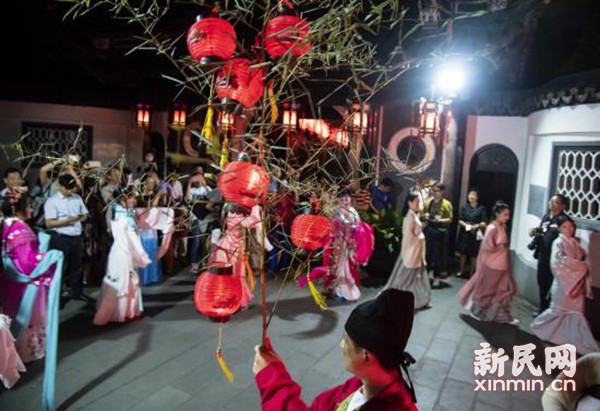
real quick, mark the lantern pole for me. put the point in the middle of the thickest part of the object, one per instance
(263, 282)
(379, 135)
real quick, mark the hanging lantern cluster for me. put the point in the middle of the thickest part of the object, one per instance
(311, 231)
(243, 183)
(238, 81)
(218, 293)
(211, 37)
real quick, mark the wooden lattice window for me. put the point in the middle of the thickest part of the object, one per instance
(576, 174)
(51, 140)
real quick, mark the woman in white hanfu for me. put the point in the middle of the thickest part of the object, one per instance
(409, 272)
(120, 297)
(564, 321)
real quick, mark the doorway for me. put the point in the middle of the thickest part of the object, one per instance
(493, 172)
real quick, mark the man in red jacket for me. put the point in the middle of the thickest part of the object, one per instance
(373, 350)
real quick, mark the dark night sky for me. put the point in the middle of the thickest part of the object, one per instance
(50, 60)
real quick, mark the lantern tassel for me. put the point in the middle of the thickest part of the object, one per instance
(224, 152)
(249, 273)
(224, 367)
(207, 129)
(317, 296)
(273, 103)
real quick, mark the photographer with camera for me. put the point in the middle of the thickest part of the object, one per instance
(541, 245)
(203, 201)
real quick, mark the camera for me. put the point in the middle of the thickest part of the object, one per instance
(538, 234)
(535, 241)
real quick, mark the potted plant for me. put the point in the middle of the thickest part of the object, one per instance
(387, 227)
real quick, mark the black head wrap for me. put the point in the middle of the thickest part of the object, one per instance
(67, 181)
(382, 326)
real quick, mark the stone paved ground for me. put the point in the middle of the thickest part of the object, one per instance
(166, 360)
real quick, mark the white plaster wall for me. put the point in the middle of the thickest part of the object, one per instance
(532, 139)
(113, 134)
(484, 130)
(572, 125)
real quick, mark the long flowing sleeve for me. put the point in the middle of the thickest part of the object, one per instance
(409, 228)
(279, 392)
(413, 241)
(254, 222)
(568, 267)
(494, 248)
(10, 362)
(489, 242)
(139, 257)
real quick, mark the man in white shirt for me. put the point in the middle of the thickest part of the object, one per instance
(64, 212)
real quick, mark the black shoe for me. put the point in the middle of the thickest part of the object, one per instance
(535, 314)
(84, 297)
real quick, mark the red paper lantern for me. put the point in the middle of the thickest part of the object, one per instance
(211, 37)
(243, 183)
(239, 82)
(217, 293)
(310, 231)
(286, 35)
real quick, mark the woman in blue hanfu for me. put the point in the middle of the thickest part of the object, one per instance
(120, 297)
(30, 290)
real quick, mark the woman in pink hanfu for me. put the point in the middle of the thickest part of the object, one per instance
(564, 321)
(21, 245)
(230, 248)
(344, 269)
(488, 294)
(120, 296)
(409, 270)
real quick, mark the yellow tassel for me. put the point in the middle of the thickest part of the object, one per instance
(249, 274)
(317, 296)
(224, 367)
(224, 152)
(208, 130)
(273, 103)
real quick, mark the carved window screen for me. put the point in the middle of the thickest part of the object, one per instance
(45, 141)
(576, 174)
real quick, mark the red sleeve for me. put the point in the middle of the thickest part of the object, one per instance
(278, 392)
(277, 389)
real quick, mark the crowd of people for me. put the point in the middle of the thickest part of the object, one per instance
(137, 227)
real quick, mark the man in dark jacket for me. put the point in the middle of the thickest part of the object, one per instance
(377, 332)
(545, 235)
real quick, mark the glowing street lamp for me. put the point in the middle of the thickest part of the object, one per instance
(179, 117)
(226, 121)
(429, 118)
(290, 116)
(142, 116)
(451, 78)
(359, 121)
